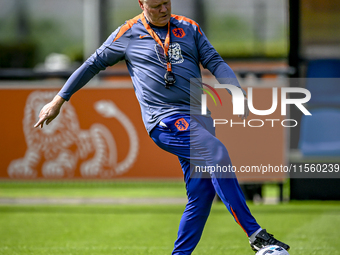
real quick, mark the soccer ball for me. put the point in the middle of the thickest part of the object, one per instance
(273, 250)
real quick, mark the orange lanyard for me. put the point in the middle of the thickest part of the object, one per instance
(156, 38)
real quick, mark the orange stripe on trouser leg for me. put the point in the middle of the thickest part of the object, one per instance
(235, 216)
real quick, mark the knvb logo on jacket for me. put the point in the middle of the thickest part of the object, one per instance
(178, 32)
(238, 103)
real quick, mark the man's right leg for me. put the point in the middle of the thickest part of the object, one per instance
(201, 193)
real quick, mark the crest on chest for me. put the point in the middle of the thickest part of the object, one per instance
(175, 53)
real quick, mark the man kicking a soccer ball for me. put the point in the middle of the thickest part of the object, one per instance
(163, 53)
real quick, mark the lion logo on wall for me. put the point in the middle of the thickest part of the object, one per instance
(55, 143)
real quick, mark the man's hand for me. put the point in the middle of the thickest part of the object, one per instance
(246, 110)
(50, 111)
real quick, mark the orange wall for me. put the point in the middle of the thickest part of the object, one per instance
(78, 143)
(253, 146)
(87, 129)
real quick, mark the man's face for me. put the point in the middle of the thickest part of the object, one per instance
(158, 12)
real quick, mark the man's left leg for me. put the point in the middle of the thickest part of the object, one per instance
(205, 149)
(225, 183)
(214, 155)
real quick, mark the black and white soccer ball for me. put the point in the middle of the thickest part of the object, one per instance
(272, 250)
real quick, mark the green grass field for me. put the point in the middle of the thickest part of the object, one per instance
(309, 227)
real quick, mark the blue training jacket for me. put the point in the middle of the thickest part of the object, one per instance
(145, 60)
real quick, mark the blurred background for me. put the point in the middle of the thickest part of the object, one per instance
(245, 29)
(237, 29)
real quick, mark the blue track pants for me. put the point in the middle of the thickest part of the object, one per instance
(192, 139)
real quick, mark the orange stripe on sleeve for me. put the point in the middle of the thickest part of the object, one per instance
(178, 17)
(127, 26)
(234, 214)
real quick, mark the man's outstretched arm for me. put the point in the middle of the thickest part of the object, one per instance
(108, 54)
